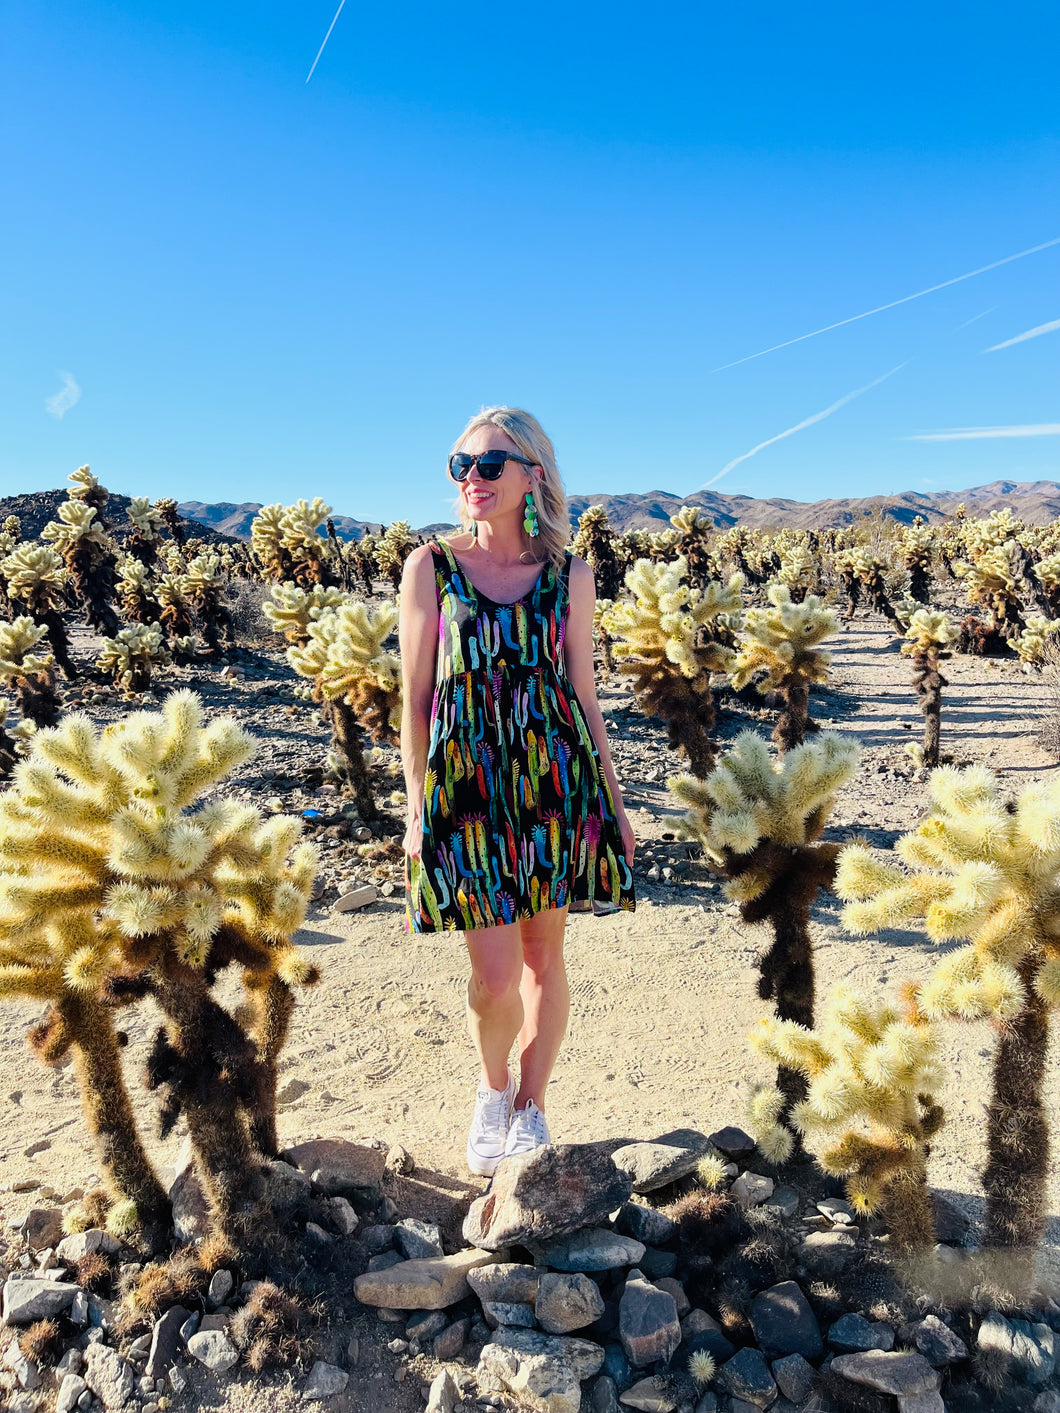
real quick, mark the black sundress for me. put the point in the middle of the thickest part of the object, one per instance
(518, 817)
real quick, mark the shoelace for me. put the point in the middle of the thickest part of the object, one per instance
(493, 1112)
(529, 1124)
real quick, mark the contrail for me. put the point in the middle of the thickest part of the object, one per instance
(320, 51)
(817, 417)
(978, 434)
(1030, 334)
(977, 316)
(893, 304)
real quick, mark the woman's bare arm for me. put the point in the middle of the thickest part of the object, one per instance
(418, 640)
(578, 660)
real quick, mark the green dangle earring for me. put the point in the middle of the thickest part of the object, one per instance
(530, 518)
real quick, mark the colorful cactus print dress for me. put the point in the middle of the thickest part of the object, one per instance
(518, 817)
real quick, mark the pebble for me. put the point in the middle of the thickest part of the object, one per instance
(324, 1381)
(213, 1349)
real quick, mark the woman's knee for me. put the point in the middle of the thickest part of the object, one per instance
(497, 968)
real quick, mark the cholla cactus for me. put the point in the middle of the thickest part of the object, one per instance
(797, 571)
(848, 565)
(29, 672)
(987, 870)
(362, 552)
(783, 641)
(176, 608)
(870, 1108)
(917, 546)
(667, 641)
(266, 541)
(147, 522)
(112, 881)
(392, 551)
(203, 587)
(871, 573)
(733, 545)
(358, 681)
(1047, 572)
(133, 654)
(595, 542)
(693, 530)
(167, 509)
(992, 579)
(36, 584)
(81, 538)
(762, 821)
(136, 592)
(927, 635)
(292, 609)
(13, 743)
(308, 548)
(1033, 643)
(602, 608)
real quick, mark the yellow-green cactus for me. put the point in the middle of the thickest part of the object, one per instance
(176, 614)
(992, 580)
(36, 579)
(917, 543)
(596, 543)
(136, 591)
(293, 609)
(133, 654)
(29, 669)
(928, 635)
(203, 585)
(692, 532)
(798, 571)
(308, 548)
(782, 643)
(870, 1108)
(81, 538)
(1033, 643)
(392, 550)
(14, 742)
(987, 870)
(670, 639)
(147, 522)
(266, 541)
(1047, 572)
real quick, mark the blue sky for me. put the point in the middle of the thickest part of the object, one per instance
(222, 283)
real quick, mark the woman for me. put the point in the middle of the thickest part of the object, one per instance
(515, 816)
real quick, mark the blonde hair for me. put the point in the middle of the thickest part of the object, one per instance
(553, 517)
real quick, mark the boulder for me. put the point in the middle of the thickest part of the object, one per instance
(751, 1190)
(567, 1301)
(902, 1373)
(324, 1381)
(733, 1142)
(548, 1193)
(214, 1350)
(26, 1301)
(42, 1227)
(165, 1341)
(84, 1243)
(505, 1281)
(794, 1377)
(69, 1391)
(108, 1375)
(591, 1249)
(515, 1312)
(828, 1253)
(544, 1371)
(644, 1224)
(451, 1340)
(935, 1341)
(784, 1322)
(852, 1333)
(647, 1322)
(416, 1239)
(664, 1160)
(651, 1396)
(429, 1284)
(443, 1394)
(746, 1375)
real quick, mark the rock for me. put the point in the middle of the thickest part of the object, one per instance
(214, 1349)
(70, 1363)
(712, 1339)
(708, 1403)
(751, 1190)
(318, 1235)
(70, 1390)
(746, 1375)
(545, 1194)
(165, 1341)
(415, 1239)
(544, 1370)
(828, 1253)
(292, 1091)
(221, 1283)
(644, 1224)
(935, 1341)
(512, 1313)
(677, 1290)
(895, 1373)
(928, 1402)
(836, 1210)
(650, 1395)
(1034, 1351)
(784, 1323)
(191, 1210)
(26, 1301)
(655, 1263)
(108, 1376)
(853, 1332)
(324, 1381)
(42, 1227)
(399, 1160)
(784, 1201)
(592, 1249)
(378, 1238)
(339, 1168)
(190, 1326)
(951, 1225)
(662, 1161)
(647, 1322)
(24, 1370)
(443, 1394)
(567, 1302)
(506, 1282)
(285, 1186)
(794, 1377)
(356, 898)
(218, 1320)
(1047, 1402)
(604, 1397)
(451, 1341)
(733, 1142)
(425, 1324)
(79, 1310)
(343, 1215)
(428, 1284)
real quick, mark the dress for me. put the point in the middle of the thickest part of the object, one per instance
(518, 816)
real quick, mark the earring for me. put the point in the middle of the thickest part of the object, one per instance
(530, 524)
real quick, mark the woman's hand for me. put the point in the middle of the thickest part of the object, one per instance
(413, 839)
(629, 842)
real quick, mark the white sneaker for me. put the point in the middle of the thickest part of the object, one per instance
(527, 1130)
(489, 1127)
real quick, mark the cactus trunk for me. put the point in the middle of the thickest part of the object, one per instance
(348, 737)
(790, 730)
(273, 1006)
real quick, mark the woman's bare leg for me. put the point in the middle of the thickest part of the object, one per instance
(545, 1002)
(494, 1005)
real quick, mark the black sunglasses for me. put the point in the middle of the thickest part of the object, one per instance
(490, 464)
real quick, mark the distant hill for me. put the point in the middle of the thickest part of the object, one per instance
(38, 507)
(1034, 501)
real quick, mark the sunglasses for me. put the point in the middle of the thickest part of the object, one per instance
(490, 464)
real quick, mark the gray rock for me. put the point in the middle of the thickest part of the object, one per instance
(733, 1142)
(746, 1375)
(836, 1210)
(655, 1263)
(385, 1260)
(647, 1322)
(784, 1323)
(24, 1370)
(708, 1403)
(935, 1341)
(604, 1397)
(324, 1381)
(428, 1284)
(79, 1310)
(851, 1333)
(651, 1395)
(165, 1341)
(213, 1349)
(84, 1243)
(505, 1281)
(784, 1201)
(415, 1239)
(26, 1301)
(221, 1284)
(644, 1224)
(343, 1215)
(70, 1363)
(828, 1253)
(677, 1290)
(508, 1312)
(190, 1326)
(42, 1227)
(108, 1376)
(545, 1194)
(1047, 1402)
(751, 1190)
(425, 1324)
(70, 1390)
(895, 1373)
(377, 1238)
(452, 1339)
(567, 1301)
(399, 1160)
(545, 1371)
(1034, 1351)
(616, 1366)
(928, 1402)
(794, 1377)
(592, 1249)
(191, 1209)
(443, 1394)
(664, 1160)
